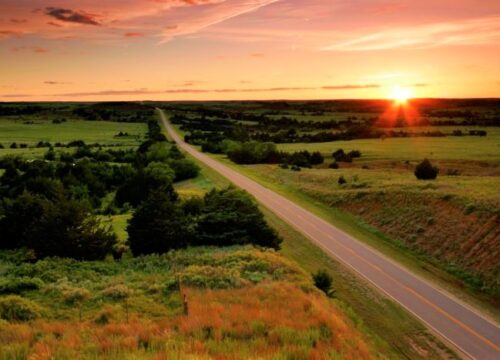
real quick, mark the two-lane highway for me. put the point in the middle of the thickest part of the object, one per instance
(472, 334)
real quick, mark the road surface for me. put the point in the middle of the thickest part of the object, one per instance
(468, 331)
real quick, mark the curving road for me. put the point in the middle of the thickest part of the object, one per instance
(472, 334)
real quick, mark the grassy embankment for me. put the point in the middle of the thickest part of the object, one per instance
(390, 329)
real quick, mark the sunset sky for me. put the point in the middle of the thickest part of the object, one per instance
(247, 49)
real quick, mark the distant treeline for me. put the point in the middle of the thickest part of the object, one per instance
(210, 132)
(109, 111)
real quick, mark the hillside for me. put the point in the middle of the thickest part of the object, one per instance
(134, 309)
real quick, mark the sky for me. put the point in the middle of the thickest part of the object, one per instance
(96, 50)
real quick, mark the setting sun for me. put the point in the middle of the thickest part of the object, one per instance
(400, 94)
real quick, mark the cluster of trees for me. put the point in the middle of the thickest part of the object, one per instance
(50, 205)
(340, 155)
(114, 111)
(256, 152)
(222, 218)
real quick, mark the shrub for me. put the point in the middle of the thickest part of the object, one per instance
(354, 154)
(323, 281)
(316, 158)
(16, 308)
(340, 156)
(342, 180)
(19, 285)
(334, 165)
(74, 296)
(425, 170)
(117, 292)
(50, 155)
(295, 168)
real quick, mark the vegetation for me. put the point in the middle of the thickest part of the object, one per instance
(323, 281)
(425, 170)
(134, 307)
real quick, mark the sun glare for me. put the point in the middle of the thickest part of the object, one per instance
(400, 94)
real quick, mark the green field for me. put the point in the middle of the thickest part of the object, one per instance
(415, 149)
(102, 132)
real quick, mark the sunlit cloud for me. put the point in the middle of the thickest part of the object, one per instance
(351, 87)
(465, 32)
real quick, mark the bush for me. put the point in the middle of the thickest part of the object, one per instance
(316, 158)
(117, 292)
(16, 308)
(354, 154)
(19, 285)
(334, 165)
(74, 296)
(323, 281)
(425, 171)
(342, 180)
(340, 156)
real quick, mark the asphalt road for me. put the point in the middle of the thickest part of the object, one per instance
(459, 324)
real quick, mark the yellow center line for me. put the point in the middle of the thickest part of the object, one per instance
(408, 288)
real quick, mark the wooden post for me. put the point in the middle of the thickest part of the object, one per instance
(186, 308)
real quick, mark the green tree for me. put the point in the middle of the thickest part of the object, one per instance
(158, 225)
(230, 217)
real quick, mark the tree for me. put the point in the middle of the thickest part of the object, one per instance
(59, 227)
(323, 281)
(316, 158)
(231, 217)
(158, 225)
(425, 170)
(184, 169)
(157, 176)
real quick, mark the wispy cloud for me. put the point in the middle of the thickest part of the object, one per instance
(52, 82)
(9, 33)
(477, 31)
(351, 87)
(189, 90)
(34, 49)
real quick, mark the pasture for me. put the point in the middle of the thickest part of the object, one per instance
(102, 132)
